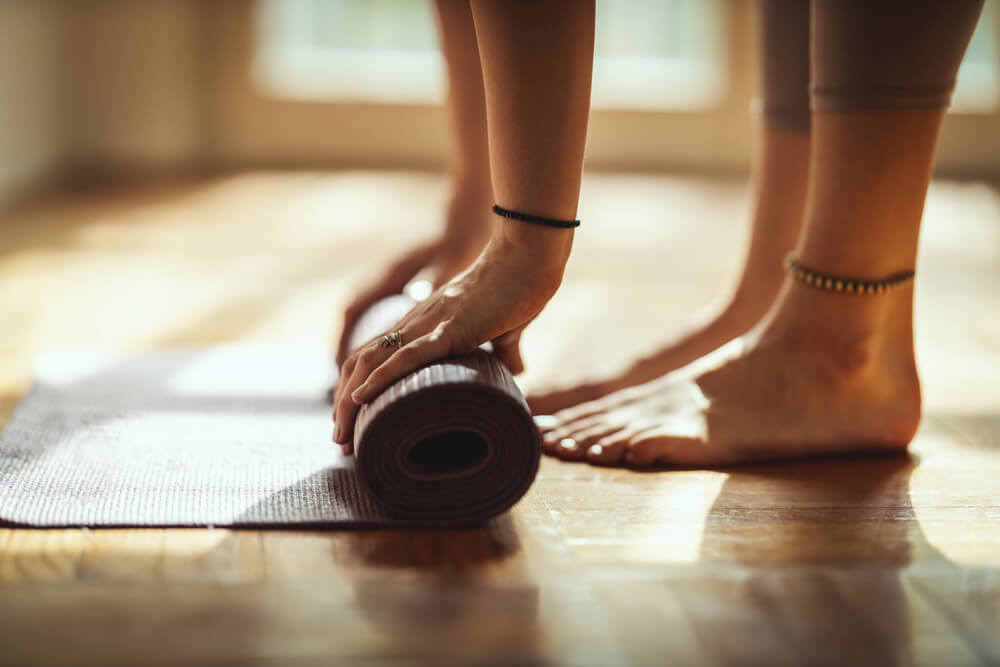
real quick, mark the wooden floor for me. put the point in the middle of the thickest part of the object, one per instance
(877, 561)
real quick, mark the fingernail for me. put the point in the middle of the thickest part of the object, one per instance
(595, 450)
(358, 393)
(569, 444)
(336, 433)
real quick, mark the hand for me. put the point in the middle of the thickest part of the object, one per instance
(506, 287)
(436, 261)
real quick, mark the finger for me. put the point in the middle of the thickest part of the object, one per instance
(387, 287)
(365, 359)
(407, 359)
(392, 282)
(346, 409)
(345, 374)
(351, 316)
(507, 349)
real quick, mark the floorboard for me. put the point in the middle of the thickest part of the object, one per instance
(852, 561)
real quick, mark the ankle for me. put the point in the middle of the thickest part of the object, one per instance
(849, 339)
(752, 300)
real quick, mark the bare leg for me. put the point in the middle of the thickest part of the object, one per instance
(536, 60)
(825, 372)
(466, 224)
(780, 171)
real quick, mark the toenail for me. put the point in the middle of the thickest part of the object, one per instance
(595, 450)
(568, 444)
(546, 421)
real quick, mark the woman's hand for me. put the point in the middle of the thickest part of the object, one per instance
(505, 288)
(435, 261)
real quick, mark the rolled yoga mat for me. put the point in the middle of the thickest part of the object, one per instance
(451, 443)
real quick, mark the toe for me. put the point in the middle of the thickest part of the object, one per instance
(607, 451)
(568, 450)
(591, 435)
(552, 439)
(582, 411)
(650, 448)
(554, 401)
(612, 448)
(545, 423)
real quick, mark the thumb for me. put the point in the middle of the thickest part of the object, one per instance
(507, 348)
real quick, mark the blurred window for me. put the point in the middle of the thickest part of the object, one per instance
(651, 54)
(349, 50)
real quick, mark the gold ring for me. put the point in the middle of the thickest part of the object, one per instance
(392, 339)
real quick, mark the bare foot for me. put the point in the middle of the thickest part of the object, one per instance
(681, 350)
(825, 374)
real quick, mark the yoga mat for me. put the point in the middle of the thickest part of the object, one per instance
(239, 435)
(225, 435)
(452, 442)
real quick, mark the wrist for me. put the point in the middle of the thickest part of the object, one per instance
(545, 249)
(467, 220)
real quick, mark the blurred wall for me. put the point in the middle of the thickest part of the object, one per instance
(135, 92)
(99, 85)
(32, 140)
(136, 87)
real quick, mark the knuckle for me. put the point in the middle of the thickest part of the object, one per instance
(451, 336)
(444, 329)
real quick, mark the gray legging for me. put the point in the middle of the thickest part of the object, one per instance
(865, 55)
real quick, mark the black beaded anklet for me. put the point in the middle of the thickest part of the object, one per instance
(848, 285)
(535, 219)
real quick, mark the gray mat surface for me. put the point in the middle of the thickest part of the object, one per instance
(227, 435)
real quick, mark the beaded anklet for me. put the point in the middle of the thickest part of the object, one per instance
(848, 285)
(535, 219)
